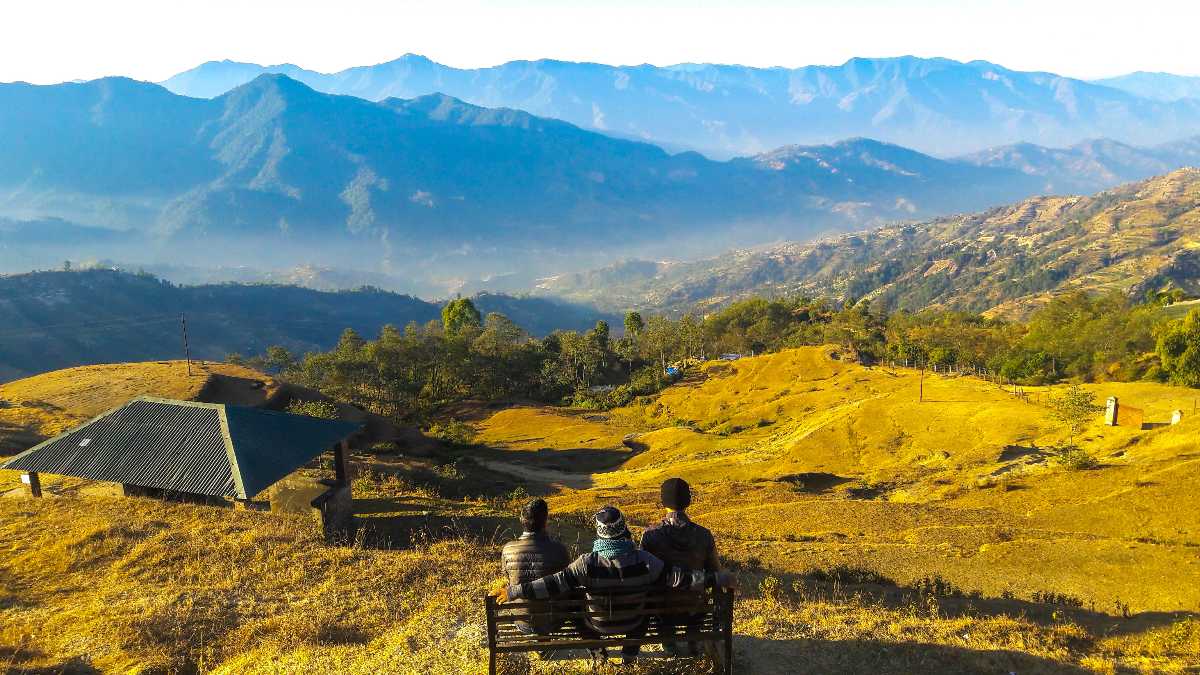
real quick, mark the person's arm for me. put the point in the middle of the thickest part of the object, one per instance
(679, 577)
(676, 576)
(552, 585)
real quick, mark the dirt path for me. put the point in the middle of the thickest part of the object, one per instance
(578, 481)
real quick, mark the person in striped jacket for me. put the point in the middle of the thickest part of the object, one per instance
(615, 564)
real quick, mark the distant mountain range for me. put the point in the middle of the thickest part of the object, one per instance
(1004, 261)
(937, 106)
(1155, 86)
(51, 320)
(273, 174)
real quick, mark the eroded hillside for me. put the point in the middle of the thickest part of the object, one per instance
(1005, 261)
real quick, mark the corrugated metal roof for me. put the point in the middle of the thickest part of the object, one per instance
(199, 448)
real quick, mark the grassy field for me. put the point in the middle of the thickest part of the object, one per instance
(870, 532)
(130, 585)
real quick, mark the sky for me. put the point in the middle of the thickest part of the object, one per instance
(47, 41)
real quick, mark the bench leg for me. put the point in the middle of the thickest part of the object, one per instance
(729, 653)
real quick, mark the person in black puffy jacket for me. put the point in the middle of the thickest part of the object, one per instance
(533, 555)
(676, 540)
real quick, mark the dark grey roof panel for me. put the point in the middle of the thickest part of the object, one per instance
(150, 443)
(269, 445)
(199, 448)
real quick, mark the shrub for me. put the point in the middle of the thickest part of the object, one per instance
(454, 432)
(325, 410)
(1075, 458)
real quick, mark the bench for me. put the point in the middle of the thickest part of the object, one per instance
(703, 617)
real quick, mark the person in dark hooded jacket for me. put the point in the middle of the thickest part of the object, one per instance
(532, 556)
(676, 540)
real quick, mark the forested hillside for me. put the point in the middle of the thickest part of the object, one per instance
(51, 320)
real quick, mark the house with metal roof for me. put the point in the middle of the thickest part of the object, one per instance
(165, 446)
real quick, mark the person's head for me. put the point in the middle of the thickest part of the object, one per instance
(534, 515)
(610, 524)
(676, 494)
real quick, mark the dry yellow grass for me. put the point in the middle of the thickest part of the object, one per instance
(132, 585)
(815, 474)
(807, 462)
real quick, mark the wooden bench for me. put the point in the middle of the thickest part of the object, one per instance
(701, 617)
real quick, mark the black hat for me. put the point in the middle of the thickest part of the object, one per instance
(610, 523)
(676, 494)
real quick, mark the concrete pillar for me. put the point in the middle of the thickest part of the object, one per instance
(335, 509)
(1110, 411)
(33, 483)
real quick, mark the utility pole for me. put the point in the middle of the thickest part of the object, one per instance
(187, 354)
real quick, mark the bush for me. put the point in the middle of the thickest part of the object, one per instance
(643, 382)
(1075, 458)
(454, 432)
(325, 410)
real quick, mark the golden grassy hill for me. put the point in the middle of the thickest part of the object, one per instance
(871, 532)
(46, 405)
(806, 462)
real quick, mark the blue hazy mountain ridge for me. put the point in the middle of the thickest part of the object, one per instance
(273, 170)
(1156, 86)
(1090, 166)
(939, 106)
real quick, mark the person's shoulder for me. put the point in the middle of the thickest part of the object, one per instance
(654, 531)
(702, 529)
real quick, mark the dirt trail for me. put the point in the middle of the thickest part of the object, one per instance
(576, 481)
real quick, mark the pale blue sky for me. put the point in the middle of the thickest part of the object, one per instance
(54, 40)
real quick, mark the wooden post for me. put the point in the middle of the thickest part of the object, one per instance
(187, 353)
(728, 632)
(33, 482)
(339, 462)
(489, 604)
(921, 386)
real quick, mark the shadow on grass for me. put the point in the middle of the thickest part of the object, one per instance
(16, 661)
(397, 523)
(15, 438)
(391, 523)
(839, 584)
(871, 656)
(571, 460)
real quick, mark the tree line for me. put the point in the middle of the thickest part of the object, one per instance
(408, 373)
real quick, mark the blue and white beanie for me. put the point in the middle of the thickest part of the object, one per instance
(610, 523)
